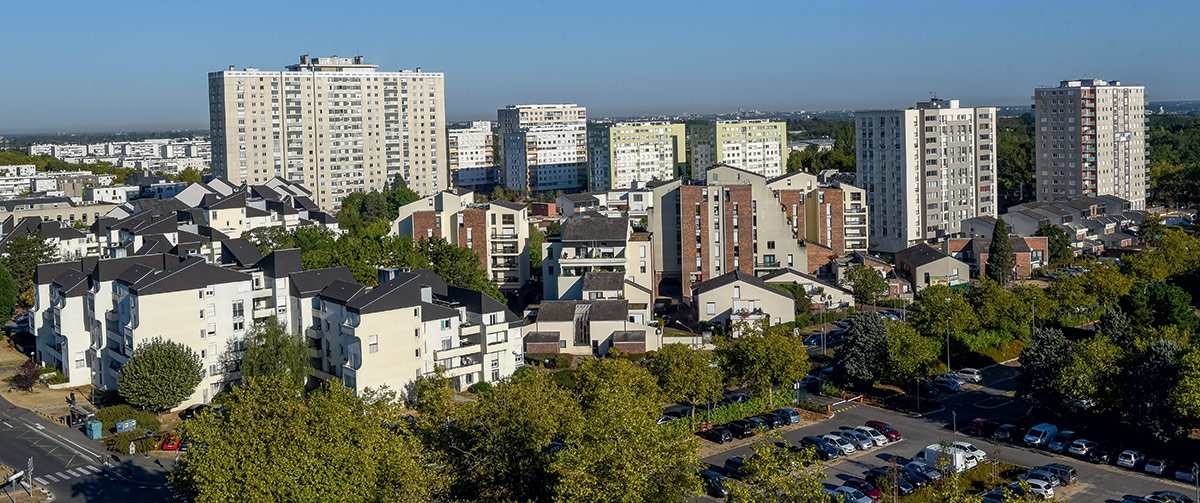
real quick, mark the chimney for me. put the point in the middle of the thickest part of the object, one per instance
(304, 59)
(358, 60)
(426, 294)
(231, 68)
(418, 69)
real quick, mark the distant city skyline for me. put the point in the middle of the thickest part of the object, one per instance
(141, 66)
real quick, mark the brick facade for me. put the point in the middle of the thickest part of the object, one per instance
(692, 197)
(423, 223)
(831, 221)
(541, 347)
(818, 256)
(475, 220)
(792, 201)
(739, 207)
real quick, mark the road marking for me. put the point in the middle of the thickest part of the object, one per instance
(50, 478)
(72, 472)
(62, 475)
(78, 449)
(92, 468)
(82, 448)
(40, 480)
(39, 426)
(8, 425)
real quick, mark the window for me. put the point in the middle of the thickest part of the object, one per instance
(373, 342)
(239, 325)
(445, 324)
(562, 344)
(80, 364)
(737, 292)
(710, 308)
(239, 309)
(202, 314)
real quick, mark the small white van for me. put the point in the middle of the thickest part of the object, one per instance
(1040, 435)
(943, 458)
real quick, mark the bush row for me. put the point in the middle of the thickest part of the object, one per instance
(732, 412)
(110, 416)
(549, 360)
(119, 443)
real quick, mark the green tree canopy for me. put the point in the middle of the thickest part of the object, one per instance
(687, 375)
(270, 349)
(776, 473)
(1058, 243)
(935, 305)
(763, 359)
(867, 283)
(1149, 387)
(909, 355)
(160, 375)
(1001, 260)
(23, 254)
(1093, 374)
(1041, 367)
(861, 359)
(8, 293)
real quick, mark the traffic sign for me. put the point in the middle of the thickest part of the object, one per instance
(132, 448)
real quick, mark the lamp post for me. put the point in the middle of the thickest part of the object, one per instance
(948, 367)
(918, 381)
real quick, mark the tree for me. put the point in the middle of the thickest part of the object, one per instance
(459, 266)
(1185, 397)
(432, 396)
(909, 354)
(1058, 243)
(24, 253)
(160, 375)
(1150, 230)
(189, 176)
(763, 359)
(687, 375)
(861, 358)
(622, 455)
(868, 283)
(501, 444)
(1116, 326)
(1092, 374)
(1041, 365)
(1148, 389)
(1001, 261)
(8, 293)
(1160, 305)
(27, 375)
(777, 473)
(935, 305)
(339, 447)
(271, 350)
(536, 238)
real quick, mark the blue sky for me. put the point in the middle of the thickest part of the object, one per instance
(106, 66)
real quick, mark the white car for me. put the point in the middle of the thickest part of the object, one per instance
(842, 445)
(969, 375)
(970, 448)
(857, 438)
(876, 437)
(851, 495)
(1130, 459)
(1039, 487)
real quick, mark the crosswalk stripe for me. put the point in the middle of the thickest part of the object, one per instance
(93, 469)
(39, 480)
(51, 478)
(62, 475)
(73, 473)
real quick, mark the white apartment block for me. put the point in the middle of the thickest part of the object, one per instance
(1091, 141)
(598, 257)
(472, 161)
(333, 125)
(544, 147)
(757, 146)
(925, 170)
(629, 154)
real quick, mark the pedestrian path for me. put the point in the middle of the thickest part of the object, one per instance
(68, 474)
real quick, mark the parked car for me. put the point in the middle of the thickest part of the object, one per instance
(947, 384)
(171, 443)
(714, 484)
(945, 458)
(192, 411)
(1081, 447)
(759, 422)
(1040, 435)
(969, 375)
(1042, 475)
(789, 416)
(1039, 488)
(846, 448)
(1157, 466)
(1065, 473)
(734, 466)
(982, 427)
(1006, 432)
(892, 434)
(1061, 441)
(924, 469)
(970, 448)
(927, 389)
(811, 384)
(879, 477)
(1130, 459)
(1101, 455)
(719, 435)
(878, 438)
(735, 398)
(741, 428)
(994, 496)
(822, 449)
(813, 340)
(772, 420)
(915, 477)
(852, 495)
(1183, 471)
(1168, 497)
(864, 487)
(953, 376)
(860, 440)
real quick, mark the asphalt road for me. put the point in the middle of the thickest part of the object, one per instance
(1096, 483)
(73, 467)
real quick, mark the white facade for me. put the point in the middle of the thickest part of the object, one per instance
(757, 146)
(472, 161)
(544, 147)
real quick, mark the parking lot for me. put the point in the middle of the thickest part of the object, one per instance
(1096, 483)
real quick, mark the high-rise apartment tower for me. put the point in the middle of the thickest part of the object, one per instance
(544, 147)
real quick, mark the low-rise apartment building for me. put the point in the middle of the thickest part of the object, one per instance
(1030, 253)
(592, 250)
(737, 297)
(588, 327)
(923, 265)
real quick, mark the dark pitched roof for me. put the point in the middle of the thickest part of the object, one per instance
(159, 206)
(595, 227)
(13, 203)
(281, 208)
(399, 292)
(72, 282)
(280, 263)
(542, 337)
(734, 277)
(44, 274)
(435, 312)
(596, 310)
(191, 274)
(311, 282)
(508, 204)
(255, 212)
(322, 217)
(607, 281)
(235, 200)
(919, 255)
(342, 291)
(629, 336)
(305, 203)
(239, 251)
(580, 198)
(156, 243)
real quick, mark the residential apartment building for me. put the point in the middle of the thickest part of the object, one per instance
(472, 160)
(925, 170)
(1091, 140)
(544, 147)
(736, 297)
(631, 154)
(333, 125)
(589, 327)
(599, 257)
(411, 326)
(758, 146)
(498, 231)
(831, 214)
(923, 265)
(1029, 253)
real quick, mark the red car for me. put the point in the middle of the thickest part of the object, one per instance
(864, 487)
(891, 433)
(171, 443)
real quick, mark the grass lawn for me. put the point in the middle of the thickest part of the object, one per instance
(979, 479)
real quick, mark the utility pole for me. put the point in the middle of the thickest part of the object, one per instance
(948, 367)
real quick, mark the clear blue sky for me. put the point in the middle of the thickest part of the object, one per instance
(106, 66)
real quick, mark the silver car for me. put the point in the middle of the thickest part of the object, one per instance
(856, 438)
(842, 445)
(969, 375)
(875, 436)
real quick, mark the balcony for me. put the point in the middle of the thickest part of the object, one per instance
(468, 349)
(504, 250)
(504, 235)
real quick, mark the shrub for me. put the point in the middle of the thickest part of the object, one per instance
(47, 370)
(119, 443)
(734, 411)
(480, 388)
(549, 360)
(54, 377)
(830, 389)
(110, 416)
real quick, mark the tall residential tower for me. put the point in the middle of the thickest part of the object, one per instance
(1091, 140)
(544, 147)
(631, 153)
(756, 146)
(333, 125)
(925, 170)
(472, 161)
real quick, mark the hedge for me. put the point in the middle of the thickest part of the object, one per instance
(55, 377)
(549, 360)
(119, 443)
(732, 412)
(110, 416)
(480, 388)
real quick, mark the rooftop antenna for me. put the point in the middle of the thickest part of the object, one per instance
(933, 95)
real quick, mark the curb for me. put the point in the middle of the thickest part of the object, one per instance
(940, 409)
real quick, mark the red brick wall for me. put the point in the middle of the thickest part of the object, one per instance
(689, 195)
(630, 347)
(423, 222)
(744, 197)
(789, 198)
(818, 256)
(956, 245)
(476, 220)
(541, 347)
(836, 223)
